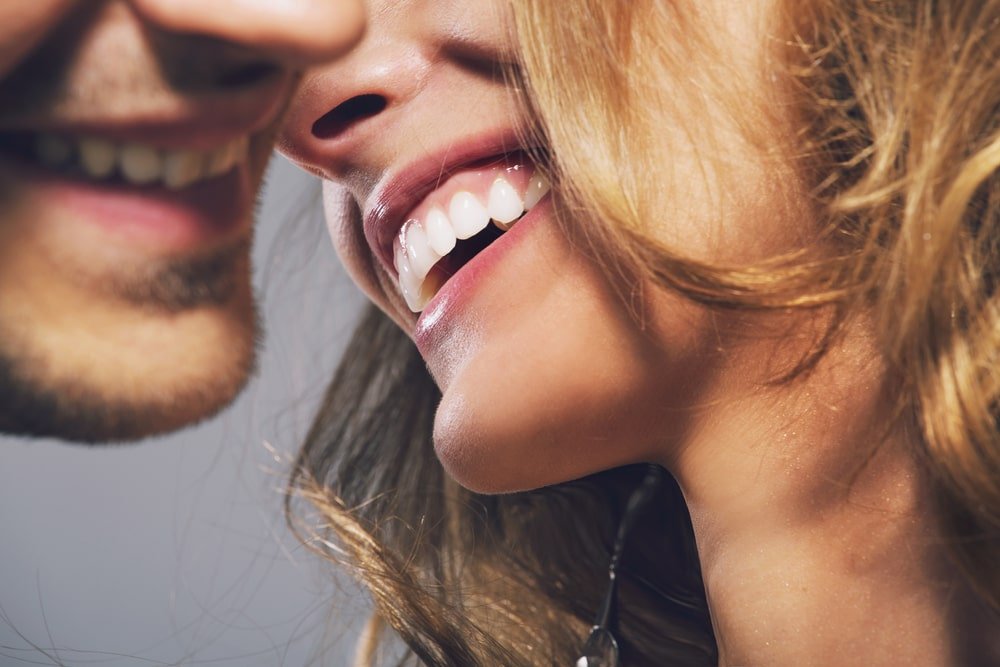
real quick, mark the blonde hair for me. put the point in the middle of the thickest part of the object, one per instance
(893, 125)
(897, 137)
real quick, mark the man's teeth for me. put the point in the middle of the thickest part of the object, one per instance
(53, 151)
(98, 157)
(139, 164)
(421, 244)
(181, 168)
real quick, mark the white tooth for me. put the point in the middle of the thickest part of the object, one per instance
(412, 300)
(98, 157)
(418, 249)
(226, 157)
(409, 280)
(409, 287)
(182, 168)
(468, 216)
(439, 232)
(504, 205)
(53, 151)
(141, 165)
(538, 187)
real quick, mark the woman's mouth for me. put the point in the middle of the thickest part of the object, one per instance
(458, 220)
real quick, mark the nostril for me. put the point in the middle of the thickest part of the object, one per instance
(346, 114)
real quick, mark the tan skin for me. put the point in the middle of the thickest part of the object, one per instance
(151, 70)
(809, 558)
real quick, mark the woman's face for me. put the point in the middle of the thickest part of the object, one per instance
(545, 376)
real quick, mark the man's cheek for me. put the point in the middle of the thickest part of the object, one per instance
(24, 24)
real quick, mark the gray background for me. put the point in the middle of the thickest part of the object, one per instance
(175, 551)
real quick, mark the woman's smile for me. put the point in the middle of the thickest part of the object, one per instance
(467, 205)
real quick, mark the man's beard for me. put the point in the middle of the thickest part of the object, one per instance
(75, 410)
(182, 285)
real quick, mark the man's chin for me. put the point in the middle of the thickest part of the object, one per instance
(70, 413)
(100, 410)
(161, 351)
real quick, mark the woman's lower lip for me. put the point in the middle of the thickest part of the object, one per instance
(454, 294)
(152, 217)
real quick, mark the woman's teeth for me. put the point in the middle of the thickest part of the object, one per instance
(420, 244)
(138, 164)
(468, 217)
(504, 204)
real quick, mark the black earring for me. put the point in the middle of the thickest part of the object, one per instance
(601, 649)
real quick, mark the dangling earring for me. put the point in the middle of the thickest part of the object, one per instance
(601, 649)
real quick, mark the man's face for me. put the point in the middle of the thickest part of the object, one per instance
(133, 139)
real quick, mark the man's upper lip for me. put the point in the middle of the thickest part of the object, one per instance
(199, 124)
(401, 191)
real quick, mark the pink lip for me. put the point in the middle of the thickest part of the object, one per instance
(203, 214)
(390, 203)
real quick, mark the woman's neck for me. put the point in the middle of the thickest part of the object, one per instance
(816, 535)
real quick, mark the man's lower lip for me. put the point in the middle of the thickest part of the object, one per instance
(458, 289)
(214, 210)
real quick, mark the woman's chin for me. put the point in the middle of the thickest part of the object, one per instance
(495, 441)
(475, 451)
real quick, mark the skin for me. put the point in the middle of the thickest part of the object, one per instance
(546, 378)
(100, 337)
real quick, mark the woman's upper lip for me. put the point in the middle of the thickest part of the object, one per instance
(399, 192)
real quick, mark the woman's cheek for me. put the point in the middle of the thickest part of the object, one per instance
(343, 220)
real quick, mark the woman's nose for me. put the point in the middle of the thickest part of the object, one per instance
(297, 32)
(343, 106)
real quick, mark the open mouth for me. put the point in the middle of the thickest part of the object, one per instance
(100, 160)
(458, 220)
